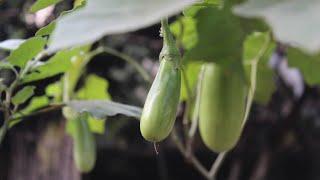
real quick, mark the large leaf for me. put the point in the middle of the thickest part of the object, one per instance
(11, 44)
(210, 33)
(102, 17)
(219, 36)
(40, 4)
(101, 109)
(26, 51)
(295, 22)
(59, 63)
(309, 65)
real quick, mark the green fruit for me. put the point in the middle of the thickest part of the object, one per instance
(222, 107)
(159, 112)
(84, 149)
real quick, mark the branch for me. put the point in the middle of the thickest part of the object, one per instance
(216, 165)
(194, 161)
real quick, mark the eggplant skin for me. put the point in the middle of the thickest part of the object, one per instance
(222, 107)
(160, 108)
(84, 148)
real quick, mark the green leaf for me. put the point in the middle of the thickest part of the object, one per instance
(185, 31)
(219, 36)
(265, 85)
(55, 90)
(46, 30)
(23, 95)
(191, 70)
(6, 65)
(41, 4)
(94, 87)
(103, 17)
(26, 51)
(293, 22)
(309, 65)
(213, 2)
(35, 104)
(96, 125)
(101, 109)
(59, 63)
(11, 44)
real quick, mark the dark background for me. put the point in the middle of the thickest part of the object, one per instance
(280, 141)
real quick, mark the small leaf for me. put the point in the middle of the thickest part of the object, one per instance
(101, 109)
(46, 30)
(192, 70)
(96, 125)
(59, 63)
(26, 51)
(35, 104)
(11, 44)
(6, 65)
(185, 30)
(95, 87)
(23, 95)
(55, 90)
(41, 4)
(103, 17)
(309, 65)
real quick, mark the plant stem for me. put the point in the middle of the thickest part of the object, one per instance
(194, 161)
(8, 94)
(216, 165)
(253, 79)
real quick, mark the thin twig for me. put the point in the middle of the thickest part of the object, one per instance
(194, 161)
(195, 115)
(216, 165)
(8, 94)
(253, 79)
(42, 111)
